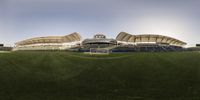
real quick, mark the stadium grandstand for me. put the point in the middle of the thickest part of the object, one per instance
(50, 43)
(147, 42)
(124, 42)
(98, 41)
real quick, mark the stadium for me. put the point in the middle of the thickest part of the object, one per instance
(49, 43)
(135, 67)
(148, 42)
(99, 50)
(124, 42)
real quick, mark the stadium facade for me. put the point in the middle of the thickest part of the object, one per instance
(99, 41)
(124, 42)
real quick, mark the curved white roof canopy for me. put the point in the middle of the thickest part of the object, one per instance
(126, 37)
(51, 39)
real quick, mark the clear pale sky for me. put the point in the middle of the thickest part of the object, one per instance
(23, 19)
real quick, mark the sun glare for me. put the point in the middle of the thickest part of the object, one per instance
(161, 25)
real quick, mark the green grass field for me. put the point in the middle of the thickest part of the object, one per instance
(78, 76)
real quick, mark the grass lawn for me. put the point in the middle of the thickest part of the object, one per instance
(78, 76)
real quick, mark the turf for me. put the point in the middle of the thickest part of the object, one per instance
(79, 76)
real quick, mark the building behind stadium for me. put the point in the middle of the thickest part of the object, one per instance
(5, 48)
(124, 42)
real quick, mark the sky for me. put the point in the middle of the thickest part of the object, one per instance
(23, 19)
